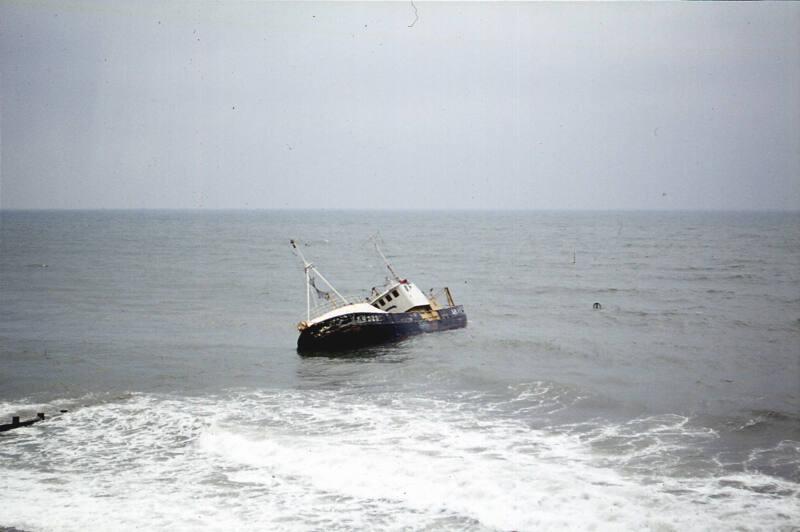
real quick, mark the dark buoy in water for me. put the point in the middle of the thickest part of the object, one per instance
(597, 306)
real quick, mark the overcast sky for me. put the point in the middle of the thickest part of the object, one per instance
(363, 105)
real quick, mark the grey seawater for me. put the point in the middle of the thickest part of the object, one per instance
(170, 338)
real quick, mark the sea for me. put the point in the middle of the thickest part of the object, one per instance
(161, 346)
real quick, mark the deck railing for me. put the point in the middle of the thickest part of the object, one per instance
(440, 297)
(333, 303)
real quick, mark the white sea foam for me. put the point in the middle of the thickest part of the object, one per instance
(328, 460)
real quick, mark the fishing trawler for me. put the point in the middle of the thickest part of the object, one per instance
(397, 310)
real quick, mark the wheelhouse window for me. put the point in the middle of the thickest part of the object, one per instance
(395, 294)
(380, 302)
(388, 298)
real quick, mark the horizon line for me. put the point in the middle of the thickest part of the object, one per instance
(392, 210)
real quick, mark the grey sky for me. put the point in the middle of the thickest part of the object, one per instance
(343, 105)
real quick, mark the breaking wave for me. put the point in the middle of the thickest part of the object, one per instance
(335, 459)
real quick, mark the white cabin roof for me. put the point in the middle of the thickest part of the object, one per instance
(361, 308)
(399, 296)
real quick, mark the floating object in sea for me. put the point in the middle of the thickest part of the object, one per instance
(396, 311)
(597, 306)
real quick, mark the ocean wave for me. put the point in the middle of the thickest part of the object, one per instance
(300, 459)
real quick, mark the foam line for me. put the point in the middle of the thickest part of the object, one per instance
(299, 460)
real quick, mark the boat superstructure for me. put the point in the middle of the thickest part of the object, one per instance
(397, 310)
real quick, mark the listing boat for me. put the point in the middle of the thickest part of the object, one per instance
(391, 313)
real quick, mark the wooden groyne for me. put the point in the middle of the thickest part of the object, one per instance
(16, 423)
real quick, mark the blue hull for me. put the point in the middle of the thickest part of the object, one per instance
(361, 329)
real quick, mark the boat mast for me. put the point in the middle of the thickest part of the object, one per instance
(385, 260)
(309, 267)
(306, 267)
